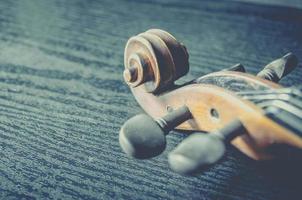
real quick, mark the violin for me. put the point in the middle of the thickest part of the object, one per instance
(252, 112)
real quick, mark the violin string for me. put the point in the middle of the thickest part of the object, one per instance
(292, 90)
(290, 99)
(284, 114)
(285, 119)
(281, 105)
(290, 96)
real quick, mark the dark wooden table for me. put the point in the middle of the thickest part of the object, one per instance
(63, 100)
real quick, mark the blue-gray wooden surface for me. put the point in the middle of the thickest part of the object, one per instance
(63, 100)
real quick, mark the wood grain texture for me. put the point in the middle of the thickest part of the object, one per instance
(63, 100)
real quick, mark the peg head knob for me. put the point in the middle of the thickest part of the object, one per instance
(141, 137)
(197, 151)
(201, 150)
(279, 68)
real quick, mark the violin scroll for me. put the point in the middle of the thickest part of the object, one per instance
(154, 59)
(252, 112)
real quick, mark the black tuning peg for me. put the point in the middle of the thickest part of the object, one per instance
(142, 137)
(236, 68)
(279, 68)
(200, 150)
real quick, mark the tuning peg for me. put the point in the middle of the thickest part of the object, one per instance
(279, 68)
(237, 68)
(200, 150)
(142, 137)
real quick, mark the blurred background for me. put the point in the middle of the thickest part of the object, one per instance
(63, 99)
